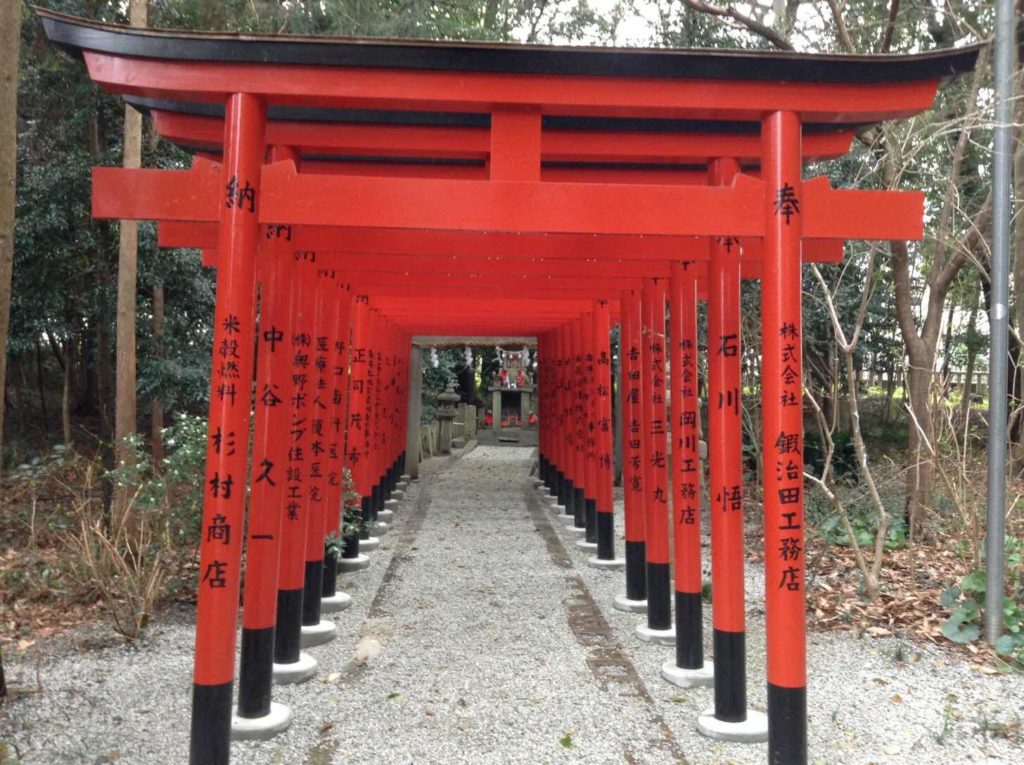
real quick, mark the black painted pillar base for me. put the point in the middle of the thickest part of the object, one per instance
(605, 535)
(636, 570)
(366, 506)
(211, 725)
(579, 507)
(312, 593)
(288, 630)
(351, 547)
(659, 598)
(689, 630)
(787, 725)
(590, 520)
(570, 498)
(255, 672)
(330, 585)
(730, 675)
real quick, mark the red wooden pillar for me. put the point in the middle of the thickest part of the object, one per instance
(688, 669)
(220, 555)
(290, 661)
(357, 454)
(578, 420)
(397, 406)
(391, 475)
(569, 421)
(659, 626)
(383, 412)
(338, 389)
(403, 404)
(549, 422)
(379, 413)
(371, 463)
(630, 374)
(373, 439)
(559, 436)
(374, 419)
(391, 384)
(316, 421)
(368, 461)
(270, 455)
(540, 392)
(567, 494)
(589, 394)
(725, 451)
(604, 518)
(782, 440)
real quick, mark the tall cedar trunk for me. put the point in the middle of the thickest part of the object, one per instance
(10, 37)
(10, 40)
(157, 410)
(125, 414)
(65, 399)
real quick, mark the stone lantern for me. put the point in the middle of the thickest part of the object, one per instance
(447, 408)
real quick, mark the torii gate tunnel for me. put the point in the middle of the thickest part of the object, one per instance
(353, 193)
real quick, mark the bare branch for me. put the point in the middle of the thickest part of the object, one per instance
(841, 29)
(751, 24)
(890, 27)
(942, 231)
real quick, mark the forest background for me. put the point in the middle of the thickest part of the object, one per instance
(105, 339)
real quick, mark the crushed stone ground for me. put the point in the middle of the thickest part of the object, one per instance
(498, 644)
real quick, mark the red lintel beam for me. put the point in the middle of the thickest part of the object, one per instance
(511, 206)
(472, 244)
(357, 267)
(457, 142)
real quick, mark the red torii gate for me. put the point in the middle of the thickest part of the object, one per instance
(518, 191)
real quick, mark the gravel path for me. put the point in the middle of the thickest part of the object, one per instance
(491, 641)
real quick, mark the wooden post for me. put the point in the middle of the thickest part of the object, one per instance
(782, 440)
(220, 555)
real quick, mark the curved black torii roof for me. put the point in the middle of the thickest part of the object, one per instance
(77, 34)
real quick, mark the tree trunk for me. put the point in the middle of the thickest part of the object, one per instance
(157, 411)
(125, 414)
(104, 374)
(921, 470)
(40, 384)
(947, 346)
(1017, 252)
(972, 351)
(65, 399)
(10, 40)
(890, 391)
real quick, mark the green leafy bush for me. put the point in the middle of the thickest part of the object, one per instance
(965, 605)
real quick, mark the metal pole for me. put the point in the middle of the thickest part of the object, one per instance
(1002, 179)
